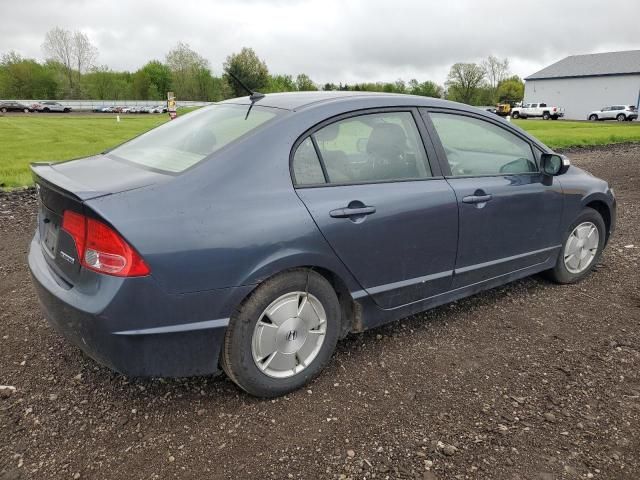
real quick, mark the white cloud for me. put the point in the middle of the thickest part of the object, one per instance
(333, 40)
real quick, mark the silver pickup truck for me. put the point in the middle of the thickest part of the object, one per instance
(537, 110)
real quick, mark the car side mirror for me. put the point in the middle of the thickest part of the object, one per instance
(554, 164)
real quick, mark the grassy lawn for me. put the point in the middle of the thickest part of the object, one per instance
(31, 138)
(562, 134)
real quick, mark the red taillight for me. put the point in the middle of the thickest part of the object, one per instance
(102, 249)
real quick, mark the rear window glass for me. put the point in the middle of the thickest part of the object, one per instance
(181, 143)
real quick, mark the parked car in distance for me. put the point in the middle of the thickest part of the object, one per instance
(252, 234)
(11, 106)
(620, 113)
(49, 106)
(158, 109)
(531, 110)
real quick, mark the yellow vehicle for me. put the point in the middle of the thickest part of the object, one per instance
(503, 109)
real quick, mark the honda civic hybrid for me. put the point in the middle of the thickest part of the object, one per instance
(251, 235)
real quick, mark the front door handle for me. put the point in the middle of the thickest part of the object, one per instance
(352, 212)
(477, 198)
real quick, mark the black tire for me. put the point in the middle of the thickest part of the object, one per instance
(621, 117)
(66, 110)
(45, 109)
(546, 116)
(236, 357)
(3, 110)
(555, 117)
(593, 117)
(559, 273)
(515, 115)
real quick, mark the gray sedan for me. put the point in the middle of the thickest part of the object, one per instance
(253, 234)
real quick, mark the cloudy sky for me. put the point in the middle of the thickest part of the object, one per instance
(333, 40)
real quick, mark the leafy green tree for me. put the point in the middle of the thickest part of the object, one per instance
(304, 83)
(464, 81)
(511, 90)
(425, 89)
(25, 78)
(249, 68)
(159, 75)
(280, 83)
(329, 86)
(187, 72)
(141, 82)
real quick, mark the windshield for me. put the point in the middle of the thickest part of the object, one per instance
(180, 144)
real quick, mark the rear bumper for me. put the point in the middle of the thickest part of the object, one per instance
(135, 328)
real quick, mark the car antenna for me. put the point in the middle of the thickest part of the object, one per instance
(253, 96)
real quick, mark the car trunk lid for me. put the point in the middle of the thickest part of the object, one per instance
(67, 186)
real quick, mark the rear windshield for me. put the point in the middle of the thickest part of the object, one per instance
(181, 143)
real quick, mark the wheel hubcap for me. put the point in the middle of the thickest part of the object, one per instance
(581, 247)
(289, 334)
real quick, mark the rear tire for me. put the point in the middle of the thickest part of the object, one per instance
(546, 116)
(279, 303)
(515, 115)
(566, 271)
(621, 117)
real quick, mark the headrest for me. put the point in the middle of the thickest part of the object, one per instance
(387, 139)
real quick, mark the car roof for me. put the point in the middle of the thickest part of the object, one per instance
(299, 100)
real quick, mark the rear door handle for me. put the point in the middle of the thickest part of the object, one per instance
(352, 212)
(477, 198)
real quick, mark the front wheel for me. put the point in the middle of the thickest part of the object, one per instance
(581, 248)
(621, 118)
(3, 110)
(283, 335)
(593, 117)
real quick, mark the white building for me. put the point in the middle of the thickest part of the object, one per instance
(583, 83)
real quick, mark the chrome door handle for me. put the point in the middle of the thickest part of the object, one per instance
(477, 198)
(352, 212)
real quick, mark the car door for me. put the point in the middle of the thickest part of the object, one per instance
(510, 212)
(381, 203)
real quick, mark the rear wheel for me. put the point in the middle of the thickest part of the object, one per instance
(283, 335)
(581, 248)
(515, 115)
(621, 117)
(546, 116)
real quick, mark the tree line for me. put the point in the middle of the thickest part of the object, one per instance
(70, 72)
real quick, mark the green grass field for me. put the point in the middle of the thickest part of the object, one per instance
(563, 134)
(32, 138)
(36, 138)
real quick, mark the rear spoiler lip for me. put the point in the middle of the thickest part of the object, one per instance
(45, 172)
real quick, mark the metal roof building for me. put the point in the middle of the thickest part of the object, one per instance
(583, 83)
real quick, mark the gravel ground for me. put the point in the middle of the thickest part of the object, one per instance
(528, 381)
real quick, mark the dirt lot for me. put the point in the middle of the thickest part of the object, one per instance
(528, 381)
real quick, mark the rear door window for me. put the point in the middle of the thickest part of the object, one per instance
(377, 147)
